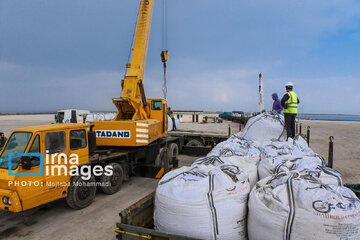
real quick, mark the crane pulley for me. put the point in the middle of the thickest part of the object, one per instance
(164, 57)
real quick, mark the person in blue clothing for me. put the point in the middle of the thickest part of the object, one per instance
(277, 103)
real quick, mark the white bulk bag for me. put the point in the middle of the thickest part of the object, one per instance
(297, 147)
(192, 202)
(289, 206)
(302, 145)
(95, 117)
(276, 148)
(109, 116)
(314, 166)
(265, 127)
(89, 118)
(170, 123)
(236, 146)
(246, 165)
(271, 165)
(100, 117)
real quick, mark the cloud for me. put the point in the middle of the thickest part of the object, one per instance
(215, 90)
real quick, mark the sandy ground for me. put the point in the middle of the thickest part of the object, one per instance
(10, 122)
(346, 145)
(212, 128)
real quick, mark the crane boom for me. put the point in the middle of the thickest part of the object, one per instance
(131, 104)
(139, 121)
(138, 59)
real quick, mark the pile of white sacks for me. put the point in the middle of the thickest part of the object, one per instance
(100, 117)
(257, 185)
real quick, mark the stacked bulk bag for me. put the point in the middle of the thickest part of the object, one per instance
(100, 117)
(235, 146)
(314, 166)
(298, 197)
(265, 127)
(294, 206)
(324, 174)
(195, 202)
(109, 116)
(302, 145)
(271, 165)
(296, 147)
(245, 165)
(276, 148)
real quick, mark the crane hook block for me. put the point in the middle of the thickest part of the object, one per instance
(164, 56)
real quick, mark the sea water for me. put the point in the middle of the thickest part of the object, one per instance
(331, 117)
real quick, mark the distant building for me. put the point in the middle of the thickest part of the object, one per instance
(189, 116)
(211, 117)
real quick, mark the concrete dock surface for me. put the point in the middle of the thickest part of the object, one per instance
(58, 221)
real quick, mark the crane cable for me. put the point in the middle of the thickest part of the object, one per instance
(164, 54)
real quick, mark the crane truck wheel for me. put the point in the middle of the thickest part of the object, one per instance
(81, 193)
(112, 184)
(194, 143)
(159, 158)
(173, 151)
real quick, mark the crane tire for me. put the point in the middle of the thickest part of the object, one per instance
(159, 157)
(173, 151)
(81, 193)
(112, 184)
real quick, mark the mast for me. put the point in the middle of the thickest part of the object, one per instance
(261, 102)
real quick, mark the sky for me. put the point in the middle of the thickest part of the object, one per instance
(72, 53)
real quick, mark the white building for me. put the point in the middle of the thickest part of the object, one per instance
(189, 116)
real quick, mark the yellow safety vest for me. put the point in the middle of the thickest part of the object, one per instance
(291, 104)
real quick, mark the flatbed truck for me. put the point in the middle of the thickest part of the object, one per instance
(137, 222)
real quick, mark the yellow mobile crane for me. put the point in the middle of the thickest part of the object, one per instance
(138, 121)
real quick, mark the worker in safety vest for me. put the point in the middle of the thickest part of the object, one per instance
(171, 115)
(290, 104)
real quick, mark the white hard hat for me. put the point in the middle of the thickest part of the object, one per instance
(289, 84)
